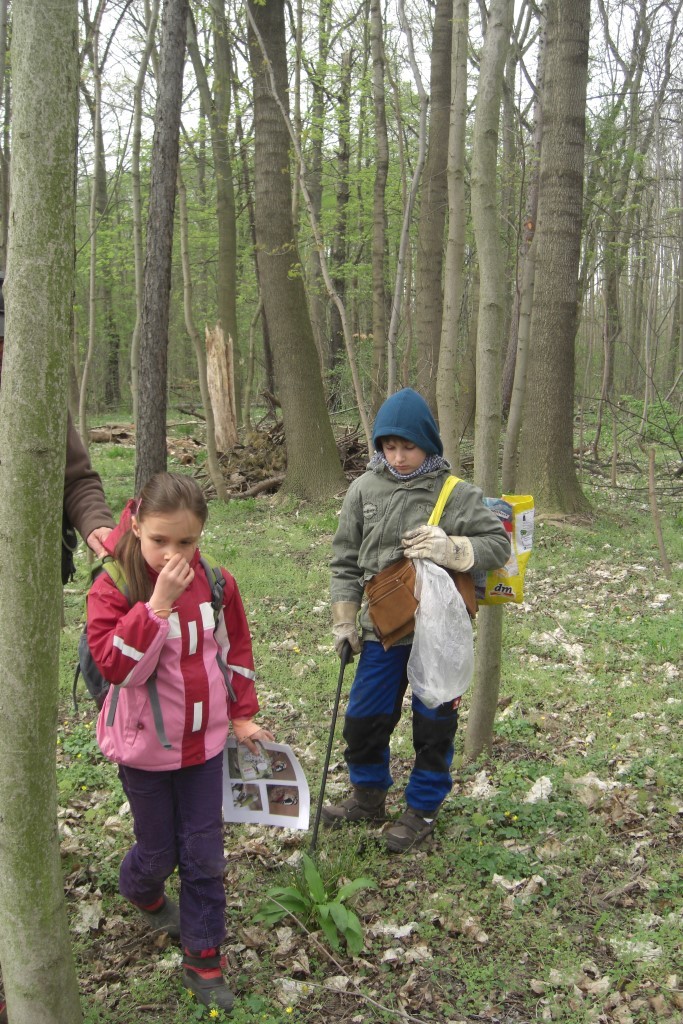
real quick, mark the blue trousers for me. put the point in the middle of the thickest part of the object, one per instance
(178, 821)
(372, 714)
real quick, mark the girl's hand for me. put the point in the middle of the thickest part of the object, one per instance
(173, 580)
(264, 735)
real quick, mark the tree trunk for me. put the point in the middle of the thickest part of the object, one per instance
(402, 263)
(4, 134)
(546, 463)
(38, 970)
(467, 367)
(339, 251)
(221, 378)
(433, 205)
(379, 215)
(313, 467)
(454, 280)
(150, 442)
(136, 200)
(216, 103)
(492, 303)
(211, 454)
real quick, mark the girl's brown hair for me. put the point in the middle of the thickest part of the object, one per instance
(163, 493)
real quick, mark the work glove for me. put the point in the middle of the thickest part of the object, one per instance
(344, 615)
(434, 543)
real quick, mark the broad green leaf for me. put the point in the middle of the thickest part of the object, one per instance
(313, 880)
(340, 916)
(328, 926)
(353, 933)
(352, 887)
(290, 898)
(270, 916)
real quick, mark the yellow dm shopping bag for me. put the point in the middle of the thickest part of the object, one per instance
(499, 586)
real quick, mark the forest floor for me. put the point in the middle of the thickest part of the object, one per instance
(552, 889)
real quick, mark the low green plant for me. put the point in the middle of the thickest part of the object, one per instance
(311, 901)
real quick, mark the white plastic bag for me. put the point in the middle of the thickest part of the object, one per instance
(441, 662)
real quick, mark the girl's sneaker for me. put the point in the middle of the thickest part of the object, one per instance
(203, 975)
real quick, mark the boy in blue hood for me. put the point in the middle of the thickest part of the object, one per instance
(383, 518)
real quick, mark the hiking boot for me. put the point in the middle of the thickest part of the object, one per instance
(3, 1011)
(203, 975)
(363, 805)
(409, 830)
(165, 919)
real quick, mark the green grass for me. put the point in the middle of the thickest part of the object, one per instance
(567, 909)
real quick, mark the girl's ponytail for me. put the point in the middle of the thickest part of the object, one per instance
(129, 555)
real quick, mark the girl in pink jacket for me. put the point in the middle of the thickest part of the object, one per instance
(163, 636)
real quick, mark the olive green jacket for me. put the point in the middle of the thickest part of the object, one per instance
(378, 510)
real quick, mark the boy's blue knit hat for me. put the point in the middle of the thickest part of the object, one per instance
(406, 414)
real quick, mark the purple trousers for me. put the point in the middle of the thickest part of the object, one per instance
(178, 821)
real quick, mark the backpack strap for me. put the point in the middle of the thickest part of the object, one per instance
(216, 580)
(448, 485)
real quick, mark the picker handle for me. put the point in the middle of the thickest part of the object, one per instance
(345, 657)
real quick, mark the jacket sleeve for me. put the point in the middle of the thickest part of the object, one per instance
(234, 640)
(125, 641)
(466, 515)
(84, 500)
(347, 574)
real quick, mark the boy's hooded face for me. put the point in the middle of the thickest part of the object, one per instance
(403, 456)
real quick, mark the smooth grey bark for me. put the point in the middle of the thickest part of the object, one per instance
(546, 458)
(517, 357)
(136, 201)
(150, 441)
(216, 104)
(38, 970)
(492, 303)
(454, 277)
(379, 214)
(433, 206)
(403, 272)
(4, 156)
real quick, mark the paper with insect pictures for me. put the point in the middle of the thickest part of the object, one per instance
(269, 788)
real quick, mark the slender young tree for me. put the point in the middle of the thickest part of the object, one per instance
(454, 283)
(492, 301)
(150, 444)
(136, 200)
(37, 966)
(546, 459)
(433, 206)
(379, 213)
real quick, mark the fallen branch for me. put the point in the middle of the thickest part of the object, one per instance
(265, 485)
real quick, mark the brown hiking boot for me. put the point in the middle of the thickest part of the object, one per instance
(409, 830)
(363, 805)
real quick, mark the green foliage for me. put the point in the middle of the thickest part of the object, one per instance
(310, 901)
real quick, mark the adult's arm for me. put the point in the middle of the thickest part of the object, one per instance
(84, 500)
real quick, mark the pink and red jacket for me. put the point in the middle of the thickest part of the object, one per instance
(130, 643)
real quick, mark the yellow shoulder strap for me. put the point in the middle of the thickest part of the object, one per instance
(449, 484)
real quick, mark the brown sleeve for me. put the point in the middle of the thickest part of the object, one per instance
(84, 500)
